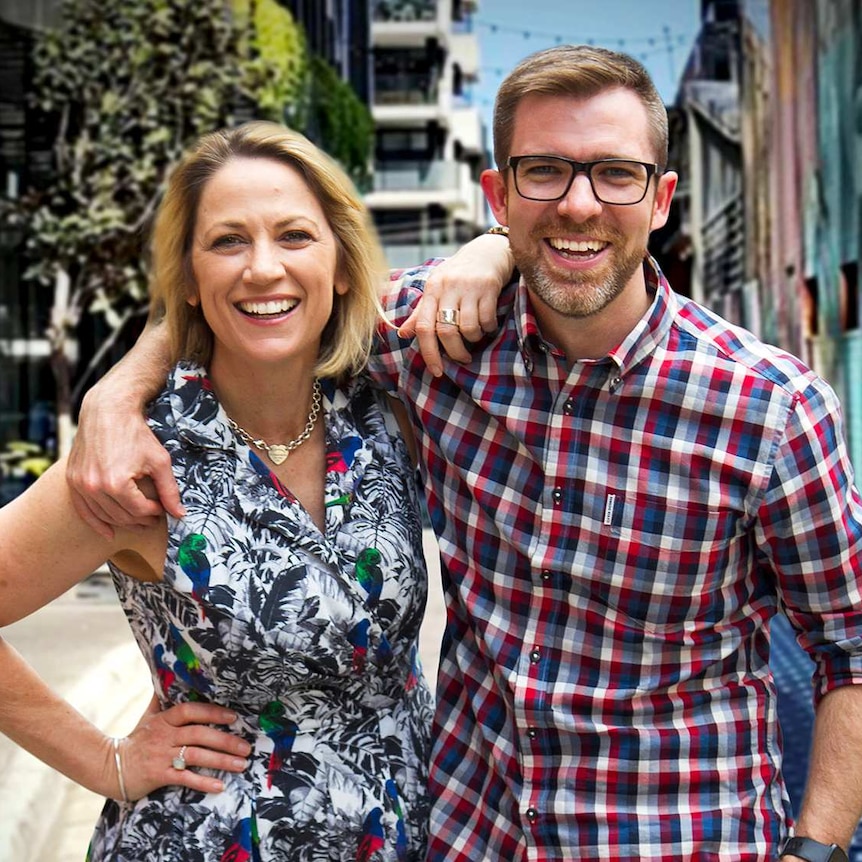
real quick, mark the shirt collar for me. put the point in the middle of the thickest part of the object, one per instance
(640, 342)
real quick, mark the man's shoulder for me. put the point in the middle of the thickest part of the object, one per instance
(735, 344)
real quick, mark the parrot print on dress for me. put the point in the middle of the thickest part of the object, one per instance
(195, 563)
(370, 575)
(187, 666)
(372, 836)
(242, 843)
(282, 731)
(358, 637)
(401, 839)
(341, 460)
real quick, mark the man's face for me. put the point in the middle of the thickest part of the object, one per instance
(578, 255)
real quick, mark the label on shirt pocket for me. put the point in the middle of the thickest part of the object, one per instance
(665, 565)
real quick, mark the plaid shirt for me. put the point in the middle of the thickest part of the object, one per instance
(615, 537)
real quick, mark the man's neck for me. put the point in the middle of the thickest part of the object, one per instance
(596, 336)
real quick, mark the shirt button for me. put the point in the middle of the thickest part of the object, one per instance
(532, 732)
(557, 495)
(546, 574)
(532, 815)
(535, 655)
(569, 407)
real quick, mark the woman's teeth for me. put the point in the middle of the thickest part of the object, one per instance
(264, 309)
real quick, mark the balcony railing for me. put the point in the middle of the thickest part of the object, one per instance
(723, 250)
(400, 256)
(405, 10)
(404, 89)
(416, 176)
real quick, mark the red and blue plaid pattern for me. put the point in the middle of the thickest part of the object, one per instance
(615, 537)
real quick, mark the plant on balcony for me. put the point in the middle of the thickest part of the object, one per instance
(276, 59)
(335, 118)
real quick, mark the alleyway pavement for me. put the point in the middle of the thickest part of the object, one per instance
(82, 645)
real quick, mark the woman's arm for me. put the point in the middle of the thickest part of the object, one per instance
(46, 548)
(43, 723)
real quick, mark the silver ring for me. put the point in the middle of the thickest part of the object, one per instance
(448, 315)
(179, 762)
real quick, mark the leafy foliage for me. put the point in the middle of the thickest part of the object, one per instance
(128, 85)
(339, 121)
(277, 56)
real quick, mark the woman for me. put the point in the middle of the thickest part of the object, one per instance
(287, 603)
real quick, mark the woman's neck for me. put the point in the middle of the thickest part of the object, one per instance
(272, 402)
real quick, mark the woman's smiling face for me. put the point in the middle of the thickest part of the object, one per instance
(265, 263)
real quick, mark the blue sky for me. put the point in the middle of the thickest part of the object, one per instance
(659, 33)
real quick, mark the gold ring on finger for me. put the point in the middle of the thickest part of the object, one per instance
(448, 315)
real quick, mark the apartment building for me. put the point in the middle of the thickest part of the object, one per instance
(430, 142)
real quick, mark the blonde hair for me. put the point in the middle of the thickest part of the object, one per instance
(580, 71)
(348, 336)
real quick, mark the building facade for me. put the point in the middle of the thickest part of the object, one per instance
(25, 377)
(429, 138)
(772, 101)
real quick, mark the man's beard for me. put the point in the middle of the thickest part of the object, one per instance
(577, 294)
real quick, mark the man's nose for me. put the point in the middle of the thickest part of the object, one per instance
(579, 203)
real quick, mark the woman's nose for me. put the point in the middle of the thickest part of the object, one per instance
(264, 265)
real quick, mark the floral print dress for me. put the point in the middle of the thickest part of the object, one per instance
(310, 638)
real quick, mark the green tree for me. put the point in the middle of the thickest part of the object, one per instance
(338, 121)
(126, 86)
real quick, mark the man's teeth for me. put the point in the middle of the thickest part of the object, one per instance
(279, 306)
(571, 245)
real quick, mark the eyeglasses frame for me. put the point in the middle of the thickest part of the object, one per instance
(652, 169)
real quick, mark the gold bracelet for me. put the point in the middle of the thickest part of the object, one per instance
(119, 769)
(501, 229)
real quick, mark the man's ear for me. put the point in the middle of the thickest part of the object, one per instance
(494, 186)
(665, 188)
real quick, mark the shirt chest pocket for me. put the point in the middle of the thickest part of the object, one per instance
(668, 566)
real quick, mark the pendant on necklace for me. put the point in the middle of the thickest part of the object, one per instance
(278, 453)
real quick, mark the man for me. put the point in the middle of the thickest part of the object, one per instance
(625, 490)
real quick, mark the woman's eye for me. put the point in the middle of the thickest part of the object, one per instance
(296, 236)
(227, 241)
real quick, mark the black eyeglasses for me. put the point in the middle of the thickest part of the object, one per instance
(621, 182)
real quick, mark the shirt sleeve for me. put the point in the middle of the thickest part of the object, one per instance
(811, 522)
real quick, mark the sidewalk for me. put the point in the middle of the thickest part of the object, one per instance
(82, 645)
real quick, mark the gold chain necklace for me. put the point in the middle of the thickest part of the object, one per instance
(278, 452)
